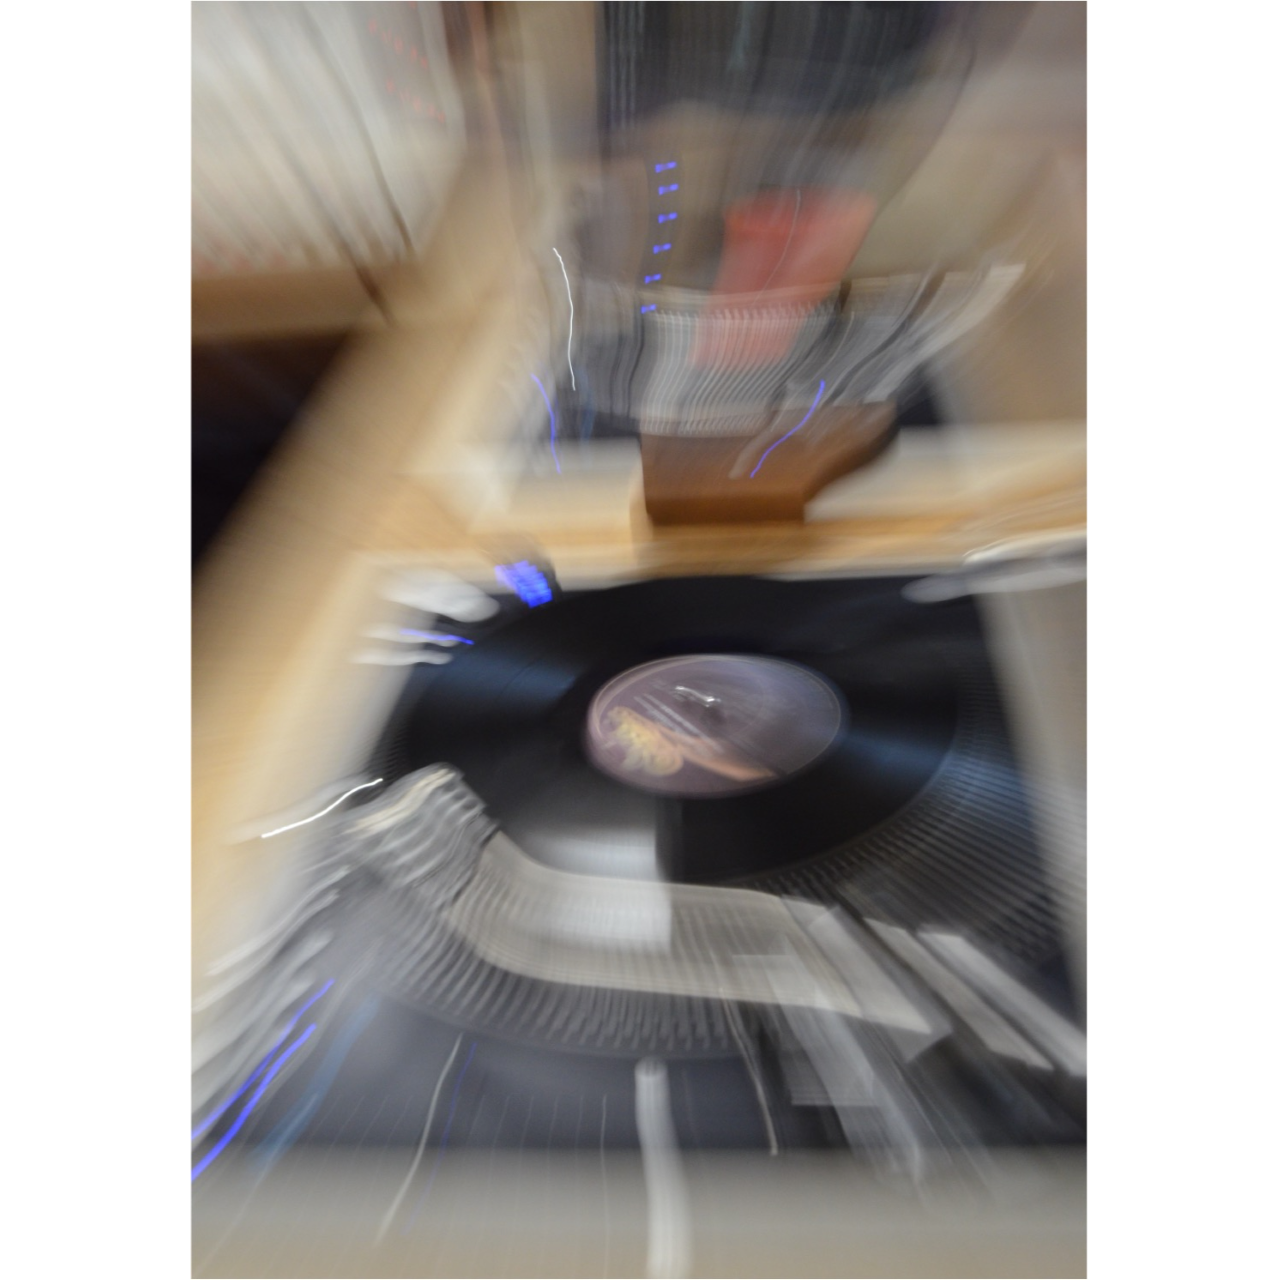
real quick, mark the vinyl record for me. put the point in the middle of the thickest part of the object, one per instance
(712, 725)
(513, 714)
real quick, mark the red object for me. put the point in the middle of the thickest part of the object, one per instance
(784, 247)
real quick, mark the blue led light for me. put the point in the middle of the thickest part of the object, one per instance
(235, 1128)
(433, 637)
(666, 164)
(650, 279)
(666, 190)
(287, 1132)
(652, 306)
(551, 411)
(667, 217)
(660, 248)
(261, 1067)
(811, 408)
(527, 581)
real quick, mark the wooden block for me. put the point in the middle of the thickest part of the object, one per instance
(766, 477)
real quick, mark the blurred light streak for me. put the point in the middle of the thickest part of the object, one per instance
(235, 1128)
(731, 1017)
(434, 637)
(812, 408)
(421, 1146)
(551, 411)
(444, 1138)
(301, 823)
(283, 1136)
(569, 290)
(380, 658)
(440, 594)
(283, 1036)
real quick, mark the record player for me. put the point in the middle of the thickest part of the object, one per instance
(757, 847)
(766, 836)
(578, 835)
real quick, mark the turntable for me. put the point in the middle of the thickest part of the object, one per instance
(650, 865)
(759, 844)
(587, 856)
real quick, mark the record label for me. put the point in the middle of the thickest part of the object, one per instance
(711, 725)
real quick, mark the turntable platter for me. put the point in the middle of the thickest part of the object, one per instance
(843, 701)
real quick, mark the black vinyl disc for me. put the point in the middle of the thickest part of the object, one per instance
(511, 710)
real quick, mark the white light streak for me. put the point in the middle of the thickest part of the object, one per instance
(389, 1216)
(387, 658)
(567, 287)
(363, 786)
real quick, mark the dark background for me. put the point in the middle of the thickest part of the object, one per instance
(244, 397)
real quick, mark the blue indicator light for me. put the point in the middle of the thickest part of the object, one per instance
(550, 411)
(261, 1067)
(660, 248)
(666, 190)
(527, 581)
(652, 306)
(667, 217)
(433, 637)
(287, 1132)
(812, 408)
(666, 164)
(235, 1128)
(650, 279)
